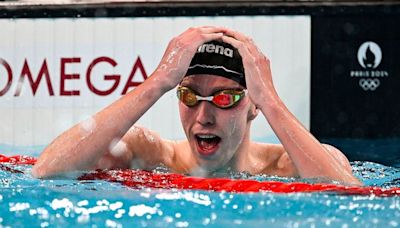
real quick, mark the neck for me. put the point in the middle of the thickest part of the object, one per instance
(238, 161)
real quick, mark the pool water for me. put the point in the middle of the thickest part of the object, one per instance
(26, 201)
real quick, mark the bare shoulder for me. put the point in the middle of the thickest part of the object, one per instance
(148, 147)
(149, 150)
(183, 160)
(277, 160)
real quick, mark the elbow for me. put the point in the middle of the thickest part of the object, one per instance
(355, 182)
(37, 172)
(350, 181)
(41, 171)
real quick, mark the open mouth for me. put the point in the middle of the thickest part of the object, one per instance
(207, 144)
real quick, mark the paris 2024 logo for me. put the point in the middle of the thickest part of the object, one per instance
(369, 57)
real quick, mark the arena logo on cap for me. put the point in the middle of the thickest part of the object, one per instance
(369, 57)
(218, 49)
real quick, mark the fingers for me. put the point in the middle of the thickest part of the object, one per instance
(245, 39)
(243, 49)
(203, 30)
(213, 36)
(206, 33)
(237, 35)
(241, 37)
(212, 29)
(182, 48)
(196, 36)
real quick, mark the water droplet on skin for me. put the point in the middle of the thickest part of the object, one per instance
(134, 130)
(171, 55)
(149, 136)
(87, 127)
(118, 147)
(163, 67)
(233, 124)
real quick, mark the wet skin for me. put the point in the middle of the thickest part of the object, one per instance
(300, 153)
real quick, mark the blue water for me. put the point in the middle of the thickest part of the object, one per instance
(29, 202)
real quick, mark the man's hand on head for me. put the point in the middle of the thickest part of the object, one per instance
(181, 50)
(256, 66)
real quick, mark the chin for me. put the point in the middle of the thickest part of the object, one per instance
(212, 164)
(209, 166)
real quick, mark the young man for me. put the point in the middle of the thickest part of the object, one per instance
(222, 85)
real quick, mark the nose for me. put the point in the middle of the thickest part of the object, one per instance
(205, 114)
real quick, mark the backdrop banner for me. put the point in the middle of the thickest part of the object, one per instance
(56, 72)
(355, 85)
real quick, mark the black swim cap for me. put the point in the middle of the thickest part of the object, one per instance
(218, 58)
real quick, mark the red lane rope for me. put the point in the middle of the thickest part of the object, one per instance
(143, 179)
(18, 159)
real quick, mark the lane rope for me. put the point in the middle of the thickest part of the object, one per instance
(145, 179)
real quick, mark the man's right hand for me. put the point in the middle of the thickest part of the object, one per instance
(180, 51)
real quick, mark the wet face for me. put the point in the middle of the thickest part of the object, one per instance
(214, 134)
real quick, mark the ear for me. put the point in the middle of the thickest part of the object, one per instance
(253, 112)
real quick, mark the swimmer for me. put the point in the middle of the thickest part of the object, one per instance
(223, 82)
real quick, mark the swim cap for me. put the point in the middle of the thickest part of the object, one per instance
(218, 58)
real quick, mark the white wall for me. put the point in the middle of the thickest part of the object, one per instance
(30, 119)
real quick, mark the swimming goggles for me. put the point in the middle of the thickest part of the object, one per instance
(224, 99)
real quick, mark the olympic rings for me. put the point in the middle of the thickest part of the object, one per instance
(369, 84)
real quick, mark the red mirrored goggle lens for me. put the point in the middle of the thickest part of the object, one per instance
(223, 100)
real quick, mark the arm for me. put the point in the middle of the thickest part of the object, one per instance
(85, 144)
(88, 144)
(310, 157)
